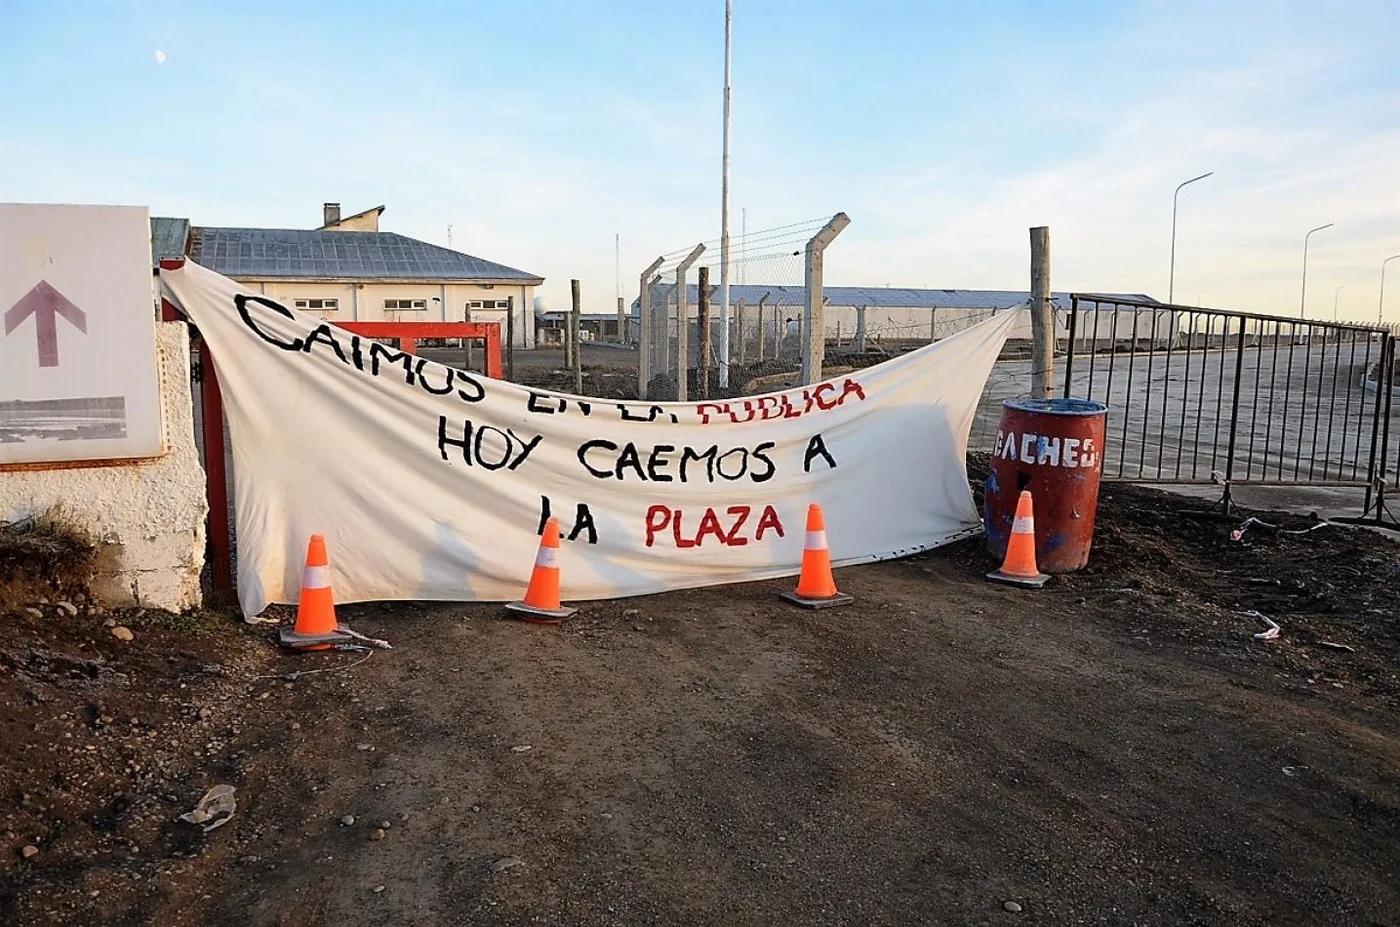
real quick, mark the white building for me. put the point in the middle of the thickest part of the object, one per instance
(349, 270)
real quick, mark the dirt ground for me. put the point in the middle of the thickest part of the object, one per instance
(1113, 749)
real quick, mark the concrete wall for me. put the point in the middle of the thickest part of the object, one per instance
(147, 518)
(364, 302)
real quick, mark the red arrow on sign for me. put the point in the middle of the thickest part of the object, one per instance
(45, 304)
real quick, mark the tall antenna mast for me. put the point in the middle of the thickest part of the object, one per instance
(724, 211)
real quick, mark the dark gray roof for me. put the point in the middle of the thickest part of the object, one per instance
(296, 254)
(168, 237)
(881, 297)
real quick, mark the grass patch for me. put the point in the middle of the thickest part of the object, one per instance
(197, 622)
(48, 552)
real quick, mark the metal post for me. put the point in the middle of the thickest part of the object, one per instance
(645, 333)
(739, 330)
(492, 361)
(1386, 342)
(1234, 417)
(1042, 316)
(682, 322)
(576, 358)
(814, 318)
(1303, 300)
(724, 209)
(215, 470)
(1069, 347)
(860, 329)
(468, 343)
(1385, 386)
(761, 301)
(703, 331)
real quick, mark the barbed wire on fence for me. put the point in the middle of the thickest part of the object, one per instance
(767, 298)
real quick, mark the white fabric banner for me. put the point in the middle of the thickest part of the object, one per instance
(431, 483)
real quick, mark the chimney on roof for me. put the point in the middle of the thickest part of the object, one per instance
(331, 213)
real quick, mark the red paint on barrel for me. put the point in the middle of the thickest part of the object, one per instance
(1054, 448)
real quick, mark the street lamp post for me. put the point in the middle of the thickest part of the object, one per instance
(1380, 310)
(1171, 279)
(1303, 302)
(1334, 300)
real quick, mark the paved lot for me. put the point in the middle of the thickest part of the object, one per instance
(1304, 416)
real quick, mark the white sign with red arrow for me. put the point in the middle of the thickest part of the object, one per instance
(78, 374)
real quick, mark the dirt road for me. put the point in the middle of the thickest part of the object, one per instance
(1115, 749)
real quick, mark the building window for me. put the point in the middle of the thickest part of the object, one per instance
(488, 304)
(409, 304)
(318, 305)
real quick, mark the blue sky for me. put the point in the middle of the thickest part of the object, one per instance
(945, 130)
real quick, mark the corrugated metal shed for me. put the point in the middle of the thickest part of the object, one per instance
(168, 237)
(881, 297)
(296, 254)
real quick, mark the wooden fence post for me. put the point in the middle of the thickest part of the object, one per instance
(703, 332)
(574, 339)
(1042, 316)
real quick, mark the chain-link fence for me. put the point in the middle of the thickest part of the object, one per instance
(767, 302)
(681, 338)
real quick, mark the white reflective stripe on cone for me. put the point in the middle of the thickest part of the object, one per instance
(1023, 525)
(316, 577)
(816, 540)
(548, 557)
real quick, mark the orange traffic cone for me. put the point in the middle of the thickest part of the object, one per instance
(541, 603)
(1019, 569)
(815, 586)
(316, 627)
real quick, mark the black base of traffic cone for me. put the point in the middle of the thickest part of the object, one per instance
(293, 641)
(539, 615)
(1006, 579)
(829, 602)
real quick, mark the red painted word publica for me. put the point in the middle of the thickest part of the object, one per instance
(729, 529)
(763, 408)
